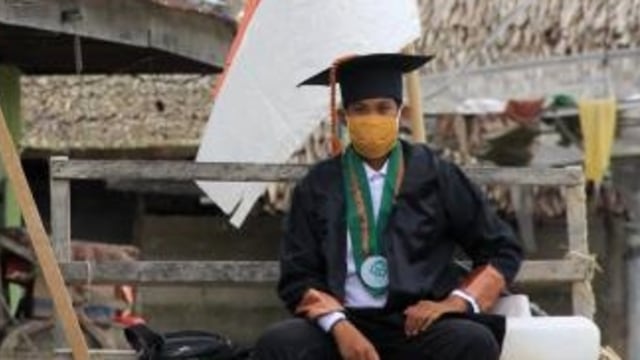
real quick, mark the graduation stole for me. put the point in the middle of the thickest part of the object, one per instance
(364, 227)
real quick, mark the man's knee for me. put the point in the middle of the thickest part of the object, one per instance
(292, 339)
(475, 338)
(459, 339)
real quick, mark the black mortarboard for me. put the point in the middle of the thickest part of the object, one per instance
(370, 76)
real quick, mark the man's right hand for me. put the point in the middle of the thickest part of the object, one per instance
(351, 343)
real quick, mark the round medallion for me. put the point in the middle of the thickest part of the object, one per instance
(374, 272)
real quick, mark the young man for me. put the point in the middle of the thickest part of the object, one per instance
(366, 261)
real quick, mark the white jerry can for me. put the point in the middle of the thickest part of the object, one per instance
(548, 337)
(551, 338)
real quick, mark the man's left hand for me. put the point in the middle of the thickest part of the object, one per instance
(424, 313)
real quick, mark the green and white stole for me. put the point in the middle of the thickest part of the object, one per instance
(364, 227)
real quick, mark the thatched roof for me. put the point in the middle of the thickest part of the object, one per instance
(516, 49)
(68, 113)
(456, 29)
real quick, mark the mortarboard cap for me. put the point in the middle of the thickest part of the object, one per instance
(369, 76)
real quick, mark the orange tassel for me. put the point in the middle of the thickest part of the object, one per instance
(336, 145)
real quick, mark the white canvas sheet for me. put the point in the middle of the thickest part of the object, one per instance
(259, 114)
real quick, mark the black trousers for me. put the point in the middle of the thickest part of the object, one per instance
(450, 338)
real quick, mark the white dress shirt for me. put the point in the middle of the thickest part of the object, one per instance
(356, 294)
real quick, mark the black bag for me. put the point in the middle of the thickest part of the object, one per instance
(184, 345)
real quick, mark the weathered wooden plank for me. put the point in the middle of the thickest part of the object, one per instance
(60, 217)
(60, 197)
(583, 298)
(170, 272)
(552, 271)
(174, 170)
(197, 272)
(187, 170)
(577, 219)
(137, 23)
(98, 354)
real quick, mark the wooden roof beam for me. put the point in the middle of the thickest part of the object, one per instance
(201, 37)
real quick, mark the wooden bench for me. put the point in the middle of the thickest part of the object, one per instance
(575, 269)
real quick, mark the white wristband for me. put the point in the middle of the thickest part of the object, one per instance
(327, 321)
(468, 298)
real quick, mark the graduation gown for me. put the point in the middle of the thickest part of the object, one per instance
(437, 209)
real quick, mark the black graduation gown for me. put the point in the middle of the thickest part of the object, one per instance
(437, 209)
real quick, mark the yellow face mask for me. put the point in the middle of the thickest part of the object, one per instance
(373, 136)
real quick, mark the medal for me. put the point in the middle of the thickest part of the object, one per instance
(374, 272)
(366, 229)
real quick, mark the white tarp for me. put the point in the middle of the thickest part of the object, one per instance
(259, 114)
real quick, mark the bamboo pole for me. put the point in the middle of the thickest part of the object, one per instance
(414, 92)
(41, 245)
(10, 103)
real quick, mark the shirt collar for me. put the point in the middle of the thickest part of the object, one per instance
(373, 174)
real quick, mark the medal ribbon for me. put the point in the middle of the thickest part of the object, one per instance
(366, 229)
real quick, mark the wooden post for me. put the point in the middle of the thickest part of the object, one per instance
(414, 92)
(60, 200)
(582, 293)
(10, 104)
(633, 290)
(41, 246)
(613, 296)
(633, 277)
(625, 176)
(523, 203)
(60, 217)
